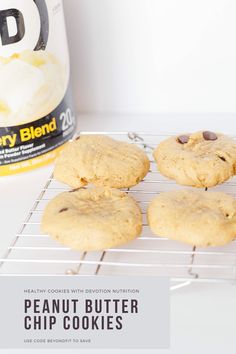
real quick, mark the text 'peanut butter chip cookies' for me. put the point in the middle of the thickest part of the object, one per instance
(195, 217)
(92, 219)
(102, 161)
(202, 159)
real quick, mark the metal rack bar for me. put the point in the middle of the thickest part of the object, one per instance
(117, 264)
(128, 250)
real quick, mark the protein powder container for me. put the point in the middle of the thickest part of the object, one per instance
(36, 111)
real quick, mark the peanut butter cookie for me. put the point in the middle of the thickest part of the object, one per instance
(196, 217)
(92, 219)
(102, 161)
(202, 159)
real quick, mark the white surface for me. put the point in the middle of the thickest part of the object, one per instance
(203, 318)
(153, 55)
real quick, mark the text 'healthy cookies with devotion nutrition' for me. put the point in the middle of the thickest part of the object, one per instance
(92, 219)
(195, 217)
(102, 161)
(202, 159)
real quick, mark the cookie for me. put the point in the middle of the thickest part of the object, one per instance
(196, 217)
(102, 161)
(202, 159)
(92, 219)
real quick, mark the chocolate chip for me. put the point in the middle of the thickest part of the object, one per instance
(63, 209)
(209, 135)
(183, 139)
(78, 137)
(222, 158)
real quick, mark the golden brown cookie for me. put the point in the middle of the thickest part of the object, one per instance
(102, 161)
(196, 217)
(92, 219)
(202, 159)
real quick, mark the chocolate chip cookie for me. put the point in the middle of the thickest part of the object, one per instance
(102, 161)
(202, 159)
(195, 217)
(92, 219)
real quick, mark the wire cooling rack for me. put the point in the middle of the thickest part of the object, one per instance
(34, 253)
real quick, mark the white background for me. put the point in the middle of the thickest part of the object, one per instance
(153, 55)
